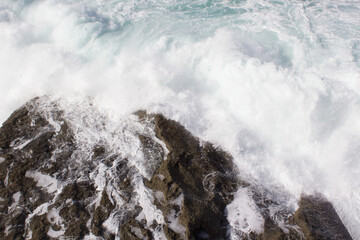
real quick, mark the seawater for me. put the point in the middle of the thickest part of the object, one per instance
(275, 83)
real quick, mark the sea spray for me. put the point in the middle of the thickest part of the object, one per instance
(275, 83)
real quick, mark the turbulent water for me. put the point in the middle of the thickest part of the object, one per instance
(275, 83)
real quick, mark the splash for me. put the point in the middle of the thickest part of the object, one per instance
(275, 83)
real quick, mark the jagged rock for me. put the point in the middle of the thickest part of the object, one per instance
(101, 213)
(54, 186)
(133, 230)
(318, 220)
(76, 217)
(39, 226)
(197, 182)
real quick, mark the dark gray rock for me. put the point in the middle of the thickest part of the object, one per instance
(318, 219)
(192, 186)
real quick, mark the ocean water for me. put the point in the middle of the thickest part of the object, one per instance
(274, 83)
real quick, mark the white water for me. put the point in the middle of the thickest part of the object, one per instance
(275, 83)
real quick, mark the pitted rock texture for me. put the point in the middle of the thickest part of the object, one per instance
(197, 182)
(318, 220)
(51, 187)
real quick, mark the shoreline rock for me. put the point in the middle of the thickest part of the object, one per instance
(50, 190)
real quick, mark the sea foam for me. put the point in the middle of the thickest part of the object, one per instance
(275, 83)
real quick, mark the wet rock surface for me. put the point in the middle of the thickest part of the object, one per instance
(195, 183)
(54, 186)
(318, 220)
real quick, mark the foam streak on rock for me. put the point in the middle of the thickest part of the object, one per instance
(85, 174)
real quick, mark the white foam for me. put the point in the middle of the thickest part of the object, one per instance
(159, 233)
(2, 159)
(55, 234)
(100, 179)
(243, 214)
(22, 145)
(174, 223)
(178, 201)
(149, 210)
(16, 198)
(42, 180)
(93, 127)
(161, 177)
(40, 210)
(6, 181)
(53, 216)
(159, 196)
(279, 91)
(92, 237)
(111, 224)
(138, 233)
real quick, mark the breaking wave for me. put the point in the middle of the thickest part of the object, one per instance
(275, 83)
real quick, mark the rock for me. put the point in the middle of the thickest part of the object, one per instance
(39, 227)
(101, 213)
(133, 230)
(197, 181)
(55, 186)
(76, 216)
(318, 219)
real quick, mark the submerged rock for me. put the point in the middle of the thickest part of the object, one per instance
(71, 174)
